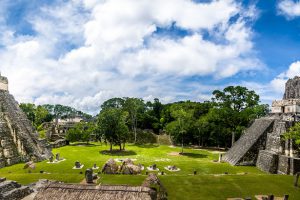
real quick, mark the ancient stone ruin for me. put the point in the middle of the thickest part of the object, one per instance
(13, 190)
(18, 139)
(262, 143)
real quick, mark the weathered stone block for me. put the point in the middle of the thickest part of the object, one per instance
(283, 164)
(267, 161)
(294, 165)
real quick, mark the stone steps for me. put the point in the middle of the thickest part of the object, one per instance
(19, 132)
(247, 140)
(6, 186)
(11, 190)
(17, 193)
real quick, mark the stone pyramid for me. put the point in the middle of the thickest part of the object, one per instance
(18, 139)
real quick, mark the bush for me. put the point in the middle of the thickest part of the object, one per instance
(42, 133)
(164, 139)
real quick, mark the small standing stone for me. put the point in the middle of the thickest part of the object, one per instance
(57, 157)
(51, 159)
(89, 176)
(95, 166)
(77, 164)
(220, 157)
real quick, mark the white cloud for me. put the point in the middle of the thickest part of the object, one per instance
(274, 90)
(289, 8)
(86, 51)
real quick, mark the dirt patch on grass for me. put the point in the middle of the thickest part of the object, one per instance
(174, 154)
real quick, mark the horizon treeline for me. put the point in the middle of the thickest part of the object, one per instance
(217, 122)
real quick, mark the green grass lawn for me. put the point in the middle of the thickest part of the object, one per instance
(209, 183)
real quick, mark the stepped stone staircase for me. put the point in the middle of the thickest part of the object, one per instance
(11, 190)
(245, 150)
(18, 139)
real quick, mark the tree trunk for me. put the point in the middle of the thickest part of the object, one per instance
(120, 145)
(232, 139)
(124, 146)
(182, 144)
(111, 147)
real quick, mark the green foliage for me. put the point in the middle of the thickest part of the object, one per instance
(46, 113)
(82, 131)
(29, 110)
(112, 126)
(294, 134)
(42, 133)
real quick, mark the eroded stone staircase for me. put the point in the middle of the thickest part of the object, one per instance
(11, 190)
(248, 140)
(18, 139)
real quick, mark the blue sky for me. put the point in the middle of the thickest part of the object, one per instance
(82, 52)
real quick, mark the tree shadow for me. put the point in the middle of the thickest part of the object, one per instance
(84, 144)
(147, 145)
(118, 153)
(194, 155)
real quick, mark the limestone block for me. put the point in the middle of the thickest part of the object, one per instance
(267, 161)
(283, 164)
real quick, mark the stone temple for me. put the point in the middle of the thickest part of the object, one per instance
(18, 140)
(263, 145)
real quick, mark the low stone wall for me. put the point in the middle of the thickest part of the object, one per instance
(294, 165)
(267, 161)
(59, 143)
(283, 164)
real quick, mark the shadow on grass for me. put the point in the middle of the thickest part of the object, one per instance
(118, 153)
(147, 145)
(84, 144)
(194, 155)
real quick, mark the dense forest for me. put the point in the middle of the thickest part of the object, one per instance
(218, 122)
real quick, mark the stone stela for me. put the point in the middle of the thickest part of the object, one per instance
(263, 145)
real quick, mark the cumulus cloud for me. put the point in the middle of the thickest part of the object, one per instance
(83, 52)
(274, 90)
(289, 8)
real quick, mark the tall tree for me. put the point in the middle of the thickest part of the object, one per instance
(236, 105)
(134, 106)
(112, 124)
(183, 122)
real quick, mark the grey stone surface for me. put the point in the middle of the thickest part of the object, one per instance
(267, 161)
(89, 176)
(11, 190)
(283, 164)
(18, 139)
(245, 150)
(292, 88)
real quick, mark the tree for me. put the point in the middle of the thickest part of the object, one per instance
(29, 109)
(237, 106)
(113, 103)
(82, 131)
(112, 124)
(294, 134)
(181, 125)
(41, 115)
(134, 106)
